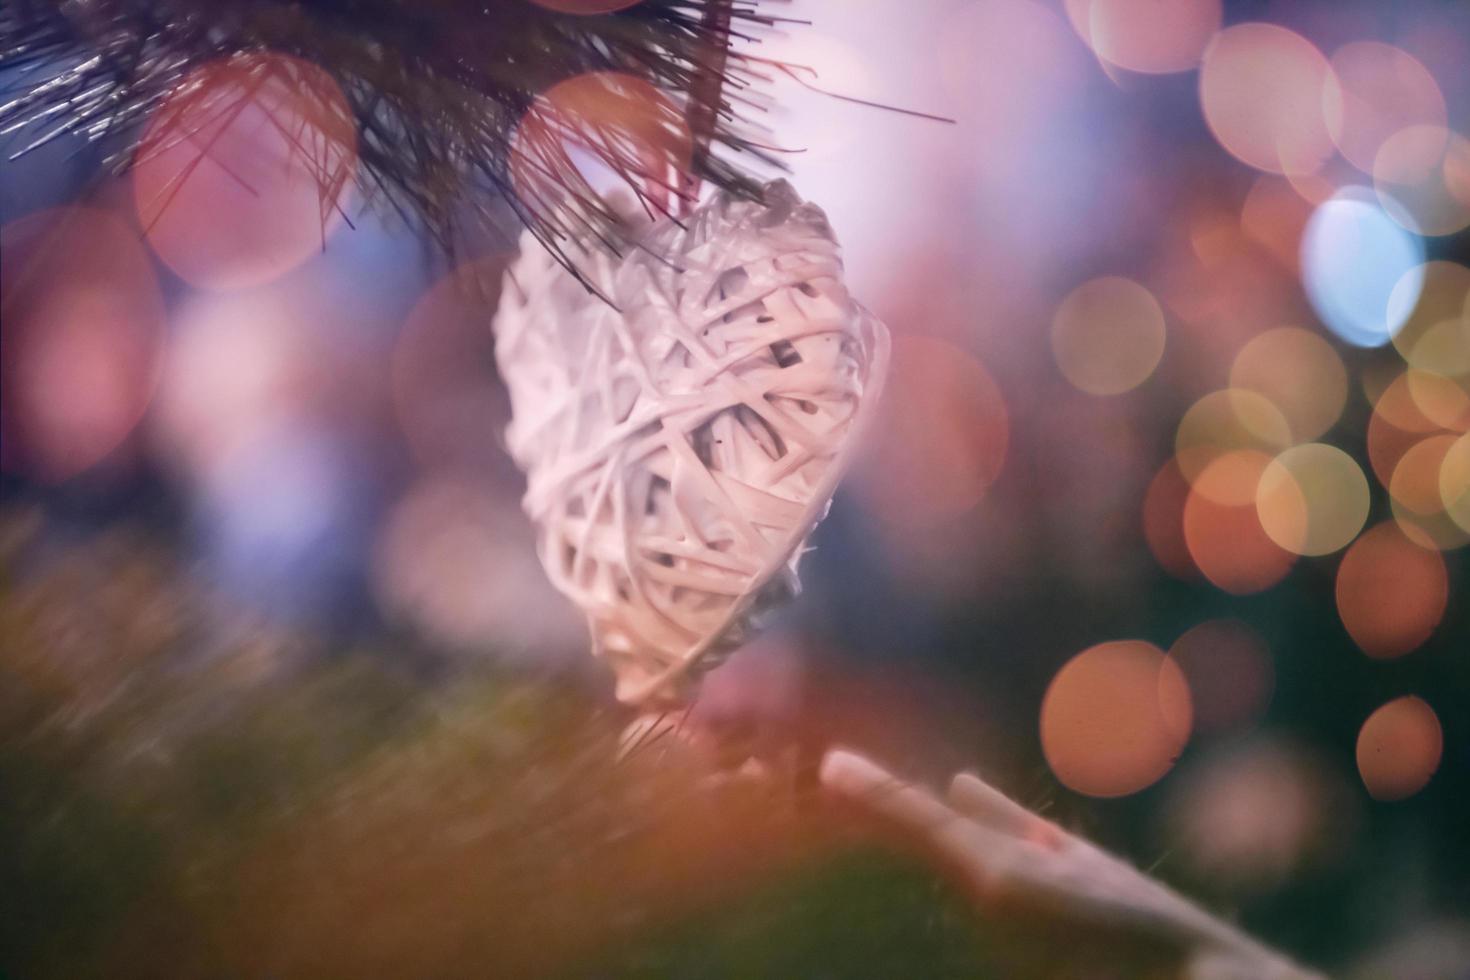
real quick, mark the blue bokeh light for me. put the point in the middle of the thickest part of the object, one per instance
(1353, 256)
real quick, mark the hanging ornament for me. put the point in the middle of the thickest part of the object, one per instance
(683, 436)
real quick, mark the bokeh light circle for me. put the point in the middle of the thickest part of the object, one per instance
(1454, 482)
(1261, 90)
(1391, 592)
(1299, 373)
(1415, 492)
(1430, 302)
(1115, 718)
(1373, 91)
(1145, 35)
(245, 169)
(1225, 538)
(1415, 174)
(1416, 479)
(1249, 816)
(1443, 401)
(1355, 260)
(1312, 499)
(84, 334)
(1108, 335)
(1275, 215)
(454, 558)
(1225, 422)
(1397, 425)
(1399, 749)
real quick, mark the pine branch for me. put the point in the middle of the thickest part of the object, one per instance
(434, 92)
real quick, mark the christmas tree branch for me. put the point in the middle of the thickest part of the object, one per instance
(1004, 851)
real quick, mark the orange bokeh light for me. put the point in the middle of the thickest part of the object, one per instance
(1224, 423)
(1261, 90)
(1435, 335)
(1399, 748)
(1225, 539)
(1415, 480)
(83, 321)
(1115, 718)
(245, 169)
(941, 439)
(1391, 592)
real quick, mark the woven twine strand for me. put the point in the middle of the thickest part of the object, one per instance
(680, 447)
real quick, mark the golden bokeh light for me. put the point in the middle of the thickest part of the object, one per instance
(1454, 482)
(1108, 335)
(1416, 174)
(1374, 91)
(941, 439)
(1144, 35)
(1261, 90)
(1443, 401)
(1312, 499)
(1437, 530)
(1115, 718)
(1397, 406)
(84, 334)
(1300, 373)
(1417, 496)
(1391, 592)
(1399, 749)
(1415, 481)
(1435, 335)
(1226, 422)
(1397, 425)
(1229, 672)
(245, 169)
(1225, 538)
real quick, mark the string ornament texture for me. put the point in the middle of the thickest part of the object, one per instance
(681, 442)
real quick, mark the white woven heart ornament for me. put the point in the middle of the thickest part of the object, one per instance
(681, 442)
